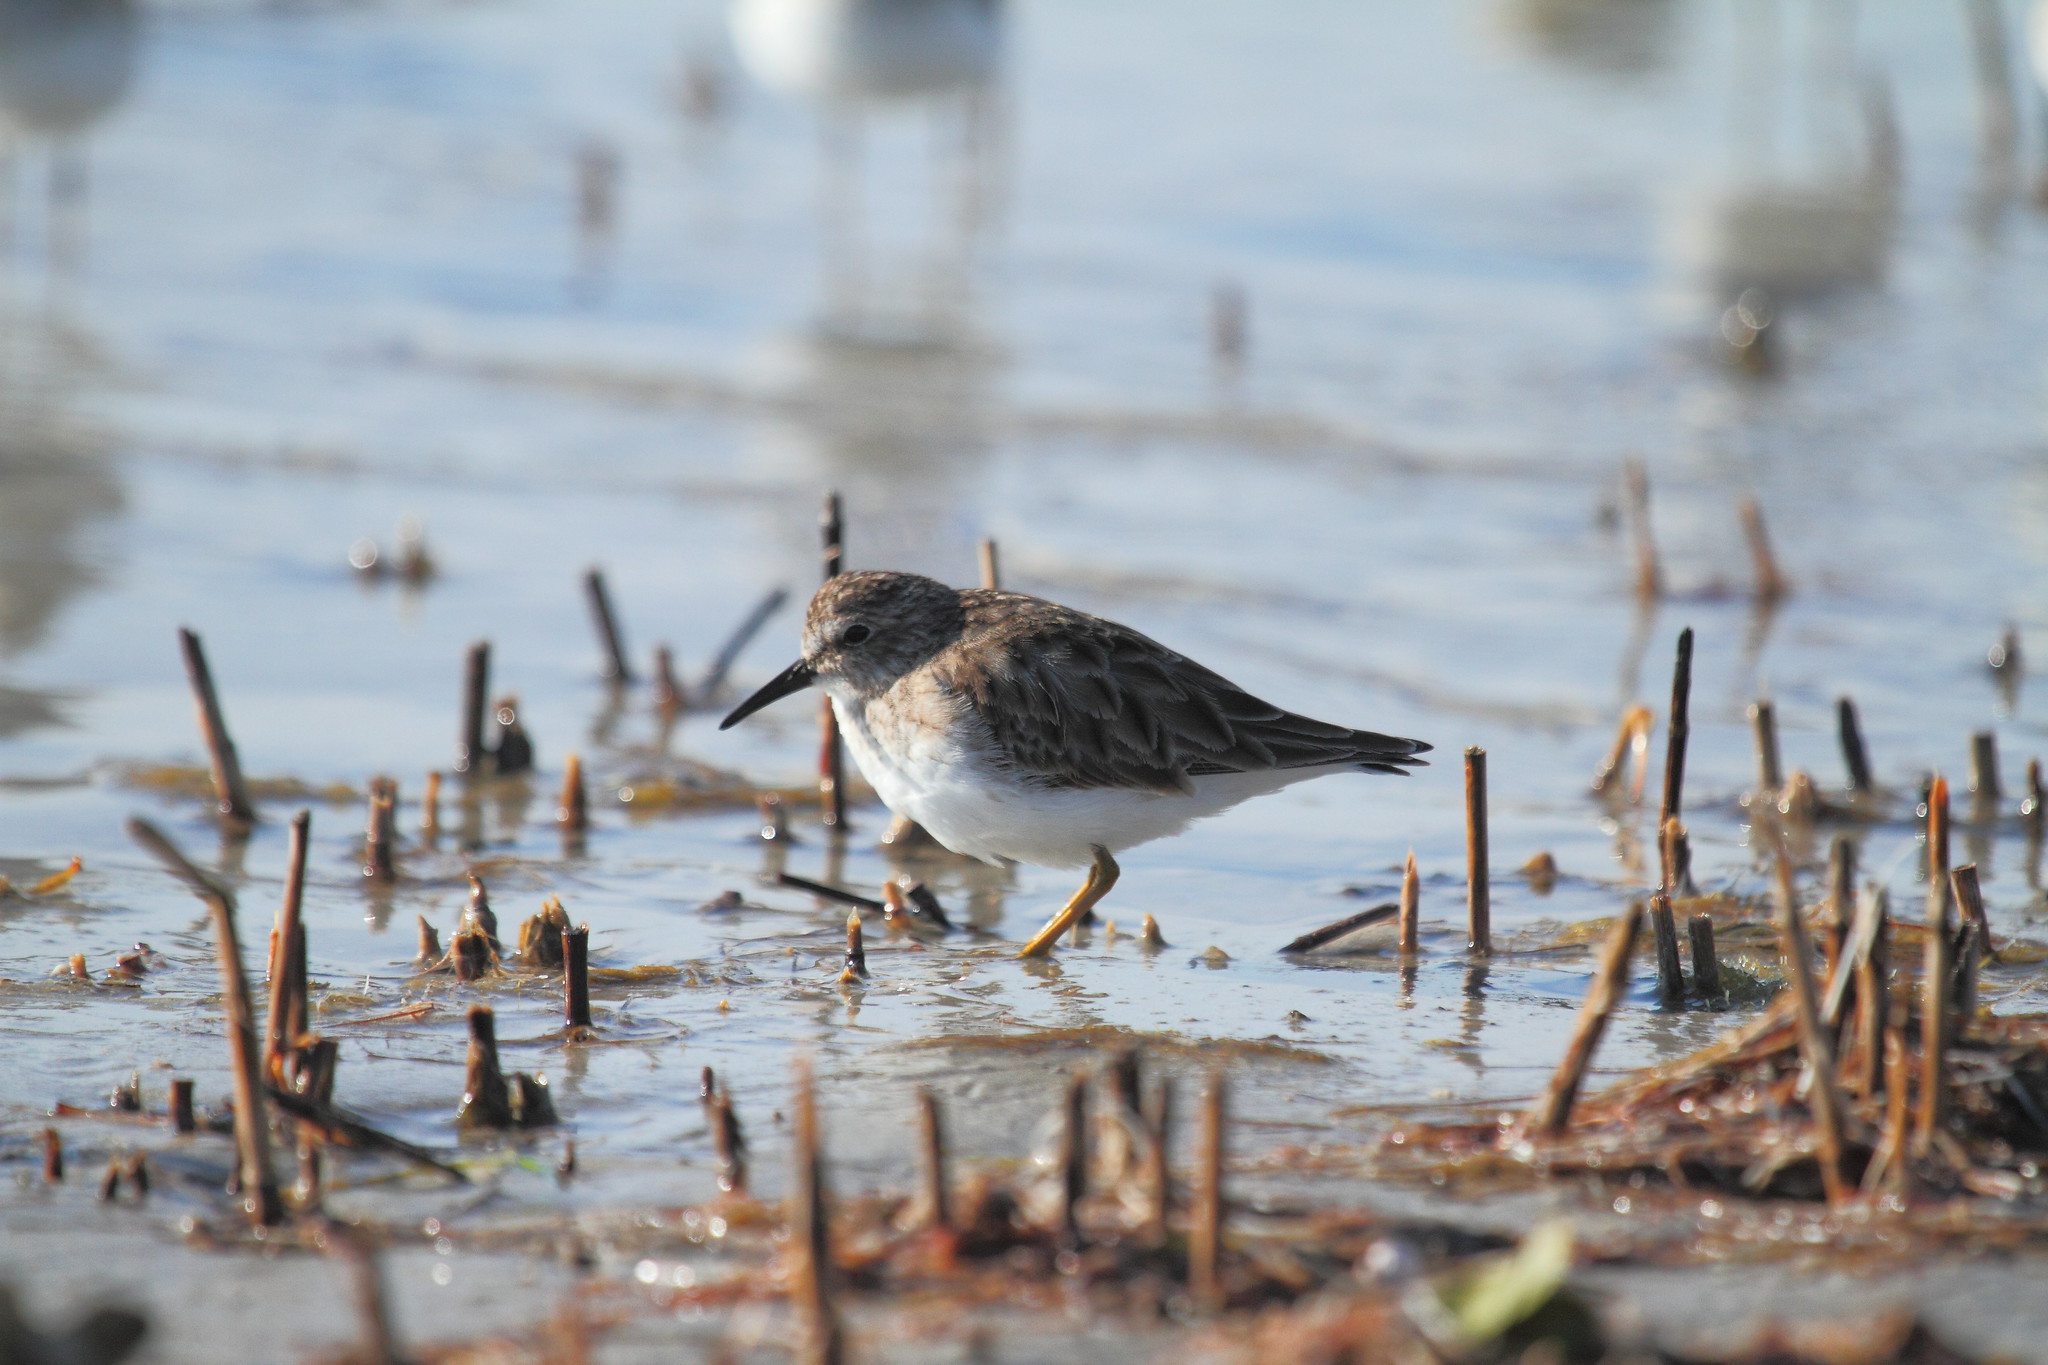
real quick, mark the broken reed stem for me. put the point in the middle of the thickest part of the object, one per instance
(470, 752)
(430, 807)
(1841, 896)
(1984, 783)
(484, 1103)
(810, 1237)
(288, 984)
(230, 790)
(252, 1126)
(183, 1117)
(616, 669)
(1824, 1096)
(572, 812)
(1649, 578)
(856, 950)
(1854, 756)
(378, 834)
(1411, 907)
(1674, 858)
(53, 1156)
(991, 578)
(1205, 1218)
(726, 1140)
(1156, 1176)
(1771, 585)
(1670, 979)
(1763, 719)
(1552, 1114)
(1631, 749)
(1706, 966)
(1680, 731)
(931, 1135)
(1938, 890)
(1970, 902)
(1932, 1111)
(1073, 1158)
(831, 751)
(576, 976)
(1478, 904)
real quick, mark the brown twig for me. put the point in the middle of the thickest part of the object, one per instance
(1411, 907)
(991, 577)
(1631, 749)
(484, 1104)
(616, 669)
(1984, 784)
(1938, 891)
(288, 984)
(230, 790)
(856, 952)
(1824, 1095)
(430, 807)
(1771, 585)
(183, 1119)
(1478, 901)
(938, 1186)
(729, 1142)
(572, 812)
(1680, 731)
(252, 1128)
(810, 1240)
(1932, 1111)
(53, 1156)
(1205, 1216)
(381, 829)
(1552, 1114)
(1649, 578)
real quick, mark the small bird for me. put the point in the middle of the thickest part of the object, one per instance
(1016, 729)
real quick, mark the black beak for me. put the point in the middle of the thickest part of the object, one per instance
(795, 678)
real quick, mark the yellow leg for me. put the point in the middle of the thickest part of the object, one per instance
(1101, 877)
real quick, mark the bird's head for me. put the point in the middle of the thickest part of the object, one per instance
(862, 633)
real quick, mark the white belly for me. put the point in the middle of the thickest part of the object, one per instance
(985, 813)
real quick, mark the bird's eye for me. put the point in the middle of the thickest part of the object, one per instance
(854, 635)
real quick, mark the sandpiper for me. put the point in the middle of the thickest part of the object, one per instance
(1013, 728)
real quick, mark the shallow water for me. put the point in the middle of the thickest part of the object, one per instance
(330, 276)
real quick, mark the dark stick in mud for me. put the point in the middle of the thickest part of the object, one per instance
(991, 577)
(183, 1118)
(230, 791)
(727, 1142)
(1552, 1114)
(931, 1137)
(1411, 907)
(1478, 903)
(378, 834)
(831, 750)
(810, 1236)
(616, 669)
(576, 976)
(1679, 733)
(856, 952)
(252, 1126)
(430, 807)
(1706, 967)
(1664, 927)
(572, 812)
(288, 985)
(470, 754)
(484, 1104)
(1763, 719)
(1205, 1217)
(1824, 1097)
(1841, 895)
(1932, 1111)
(53, 1156)
(1984, 767)
(1770, 583)
(1073, 1158)
(1854, 757)
(1970, 902)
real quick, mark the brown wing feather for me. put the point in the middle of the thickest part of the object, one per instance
(1076, 701)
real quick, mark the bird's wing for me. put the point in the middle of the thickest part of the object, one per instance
(1072, 700)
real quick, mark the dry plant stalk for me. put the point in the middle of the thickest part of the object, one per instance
(810, 1238)
(1632, 749)
(1073, 1158)
(1478, 903)
(380, 831)
(1771, 585)
(1763, 719)
(430, 807)
(484, 1104)
(260, 1199)
(1984, 784)
(1938, 889)
(1680, 731)
(616, 669)
(576, 977)
(1411, 907)
(183, 1119)
(1205, 1217)
(938, 1185)
(1155, 1175)
(1824, 1096)
(728, 1142)
(572, 812)
(471, 756)
(1552, 1114)
(230, 790)
(1649, 582)
(991, 578)
(856, 952)
(1664, 928)
(1706, 966)
(288, 980)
